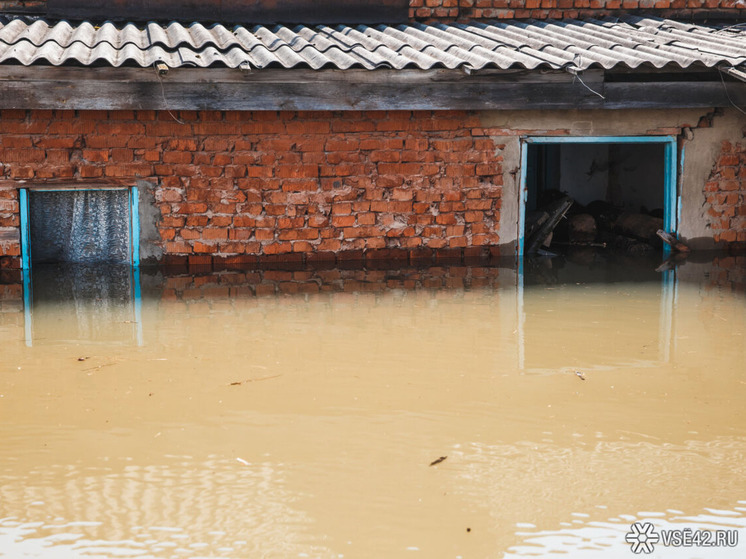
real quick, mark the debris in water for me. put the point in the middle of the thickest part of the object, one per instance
(244, 462)
(468, 529)
(541, 223)
(672, 241)
(240, 382)
(580, 375)
(98, 367)
(83, 358)
(438, 461)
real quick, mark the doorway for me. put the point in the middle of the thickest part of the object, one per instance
(83, 247)
(79, 225)
(600, 178)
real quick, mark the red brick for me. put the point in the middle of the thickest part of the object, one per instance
(214, 233)
(179, 157)
(264, 234)
(178, 247)
(96, 155)
(278, 248)
(191, 208)
(445, 219)
(343, 220)
(89, 171)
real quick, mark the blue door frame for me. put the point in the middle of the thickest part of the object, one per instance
(134, 225)
(134, 230)
(670, 190)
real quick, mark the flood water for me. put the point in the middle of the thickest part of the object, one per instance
(298, 413)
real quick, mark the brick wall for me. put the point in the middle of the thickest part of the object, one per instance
(449, 10)
(10, 246)
(20, 6)
(725, 195)
(247, 187)
(241, 185)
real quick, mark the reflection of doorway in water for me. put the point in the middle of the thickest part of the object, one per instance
(83, 248)
(616, 312)
(83, 303)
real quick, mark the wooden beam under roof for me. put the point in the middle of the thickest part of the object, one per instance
(45, 87)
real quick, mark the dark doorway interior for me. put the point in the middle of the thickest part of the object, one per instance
(617, 190)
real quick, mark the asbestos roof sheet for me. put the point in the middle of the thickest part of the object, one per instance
(629, 41)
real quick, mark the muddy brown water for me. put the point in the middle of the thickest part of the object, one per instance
(297, 413)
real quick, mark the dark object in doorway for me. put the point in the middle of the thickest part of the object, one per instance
(582, 228)
(631, 246)
(541, 224)
(672, 241)
(656, 212)
(640, 226)
(604, 213)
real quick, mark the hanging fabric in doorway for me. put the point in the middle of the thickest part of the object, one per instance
(80, 226)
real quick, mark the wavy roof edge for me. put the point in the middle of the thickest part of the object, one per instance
(628, 42)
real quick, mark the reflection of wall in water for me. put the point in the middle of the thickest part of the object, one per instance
(179, 284)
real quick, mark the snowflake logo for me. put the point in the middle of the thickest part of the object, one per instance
(642, 537)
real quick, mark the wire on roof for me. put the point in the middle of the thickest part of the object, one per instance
(725, 88)
(158, 72)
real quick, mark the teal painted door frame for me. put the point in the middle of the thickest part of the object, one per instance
(671, 198)
(134, 222)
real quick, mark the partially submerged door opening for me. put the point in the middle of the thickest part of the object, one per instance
(615, 192)
(85, 226)
(83, 245)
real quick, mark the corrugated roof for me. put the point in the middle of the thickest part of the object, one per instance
(628, 41)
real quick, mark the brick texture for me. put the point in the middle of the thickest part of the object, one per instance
(275, 184)
(463, 10)
(725, 195)
(236, 188)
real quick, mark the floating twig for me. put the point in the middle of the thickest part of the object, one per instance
(438, 461)
(239, 382)
(97, 367)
